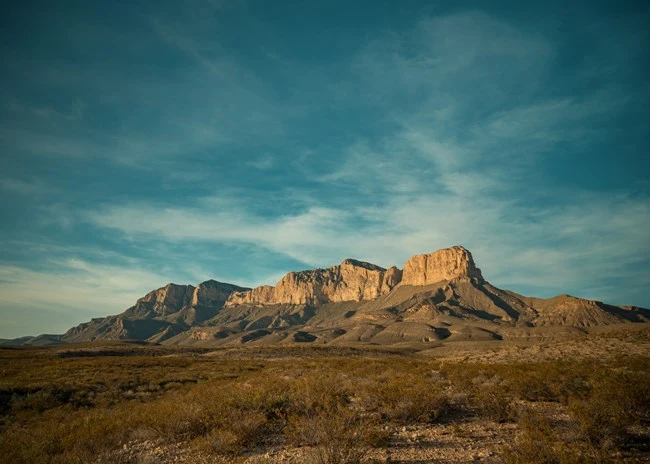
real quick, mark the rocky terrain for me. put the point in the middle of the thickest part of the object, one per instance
(441, 296)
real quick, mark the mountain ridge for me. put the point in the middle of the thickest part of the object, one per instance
(436, 296)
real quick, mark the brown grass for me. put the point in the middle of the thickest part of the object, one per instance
(84, 409)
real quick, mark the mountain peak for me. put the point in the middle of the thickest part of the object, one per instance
(355, 280)
(363, 264)
(445, 264)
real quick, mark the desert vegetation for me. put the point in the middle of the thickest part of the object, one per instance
(136, 404)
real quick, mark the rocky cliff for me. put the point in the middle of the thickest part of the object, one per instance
(173, 298)
(354, 280)
(351, 280)
(163, 301)
(163, 312)
(439, 266)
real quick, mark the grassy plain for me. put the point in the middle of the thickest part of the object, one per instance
(134, 403)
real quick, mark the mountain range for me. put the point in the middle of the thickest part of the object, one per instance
(440, 296)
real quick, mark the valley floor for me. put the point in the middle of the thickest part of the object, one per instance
(569, 400)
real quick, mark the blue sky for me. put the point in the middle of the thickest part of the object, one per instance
(238, 140)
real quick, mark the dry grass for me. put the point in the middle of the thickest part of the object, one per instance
(85, 409)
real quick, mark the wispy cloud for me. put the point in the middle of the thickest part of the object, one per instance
(303, 236)
(74, 110)
(210, 102)
(447, 60)
(76, 288)
(263, 163)
(25, 187)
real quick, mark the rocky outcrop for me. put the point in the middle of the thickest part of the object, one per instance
(173, 298)
(445, 264)
(160, 313)
(351, 280)
(258, 295)
(567, 310)
(354, 280)
(392, 277)
(213, 293)
(166, 300)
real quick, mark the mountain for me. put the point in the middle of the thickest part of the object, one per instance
(159, 315)
(437, 296)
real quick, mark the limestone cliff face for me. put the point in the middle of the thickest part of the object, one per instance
(172, 298)
(445, 264)
(356, 280)
(392, 277)
(159, 314)
(258, 295)
(213, 293)
(166, 300)
(349, 281)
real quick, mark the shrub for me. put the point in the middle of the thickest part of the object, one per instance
(337, 435)
(495, 404)
(618, 399)
(405, 398)
(323, 417)
(538, 443)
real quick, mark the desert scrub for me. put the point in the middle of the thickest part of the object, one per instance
(64, 436)
(72, 410)
(323, 417)
(538, 443)
(239, 416)
(405, 398)
(494, 404)
(617, 399)
(540, 381)
(241, 433)
(336, 435)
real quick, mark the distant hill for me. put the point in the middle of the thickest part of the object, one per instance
(39, 340)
